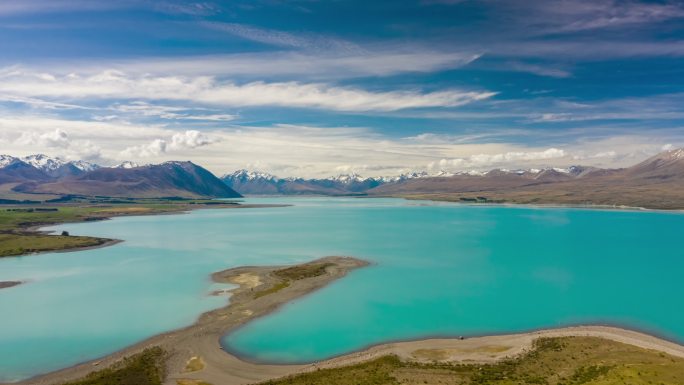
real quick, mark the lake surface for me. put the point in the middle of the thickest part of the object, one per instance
(439, 269)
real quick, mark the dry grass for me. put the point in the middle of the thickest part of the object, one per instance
(555, 361)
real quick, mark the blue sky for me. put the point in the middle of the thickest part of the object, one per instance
(313, 88)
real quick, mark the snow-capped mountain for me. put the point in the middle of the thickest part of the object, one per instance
(43, 162)
(127, 164)
(41, 174)
(348, 178)
(261, 183)
(6, 160)
(51, 166)
(246, 175)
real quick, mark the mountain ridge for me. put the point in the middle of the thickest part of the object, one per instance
(39, 174)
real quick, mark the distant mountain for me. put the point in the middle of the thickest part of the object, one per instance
(52, 167)
(39, 174)
(666, 165)
(657, 182)
(170, 179)
(57, 167)
(259, 183)
(13, 170)
(127, 164)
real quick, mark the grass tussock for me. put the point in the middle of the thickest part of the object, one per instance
(145, 368)
(554, 361)
(295, 273)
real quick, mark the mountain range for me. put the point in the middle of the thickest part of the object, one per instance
(40, 174)
(657, 182)
(260, 183)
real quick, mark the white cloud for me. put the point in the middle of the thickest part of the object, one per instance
(480, 161)
(156, 148)
(190, 139)
(291, 150)
(208, 90)
(179, 141)
(58, 140)
(169, 112)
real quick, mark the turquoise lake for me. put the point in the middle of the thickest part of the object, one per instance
(438, 270)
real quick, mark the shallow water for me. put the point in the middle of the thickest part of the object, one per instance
(439, 269)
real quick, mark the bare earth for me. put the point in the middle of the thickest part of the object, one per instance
(195, 353)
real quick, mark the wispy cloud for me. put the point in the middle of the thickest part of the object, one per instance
(379, 61)
(208, 90)
(571, 16)
(10, 8)
(170, 112)
(536, 69)
(285, 39)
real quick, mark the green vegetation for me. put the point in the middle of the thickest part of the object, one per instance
(19, 244)
(554, 361)
(16, 221)
(145, 368)
(273, 289)
(304, 271)
(293, 273)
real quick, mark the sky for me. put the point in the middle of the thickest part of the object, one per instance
(319, 88)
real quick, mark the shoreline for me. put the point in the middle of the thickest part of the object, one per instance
(594, 207)
(38, 229)
(201, 340)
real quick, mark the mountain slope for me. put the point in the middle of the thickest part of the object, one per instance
(657, 182)
(666, 165)
(170, 179)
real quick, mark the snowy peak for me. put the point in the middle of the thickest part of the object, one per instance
(50, 164)
(245, 175)
(348, 178)
(43, 162)
(127, 164)
(676, 154)
(84, 166)
(6, 160)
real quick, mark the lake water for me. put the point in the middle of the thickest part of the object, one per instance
(438, 269)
